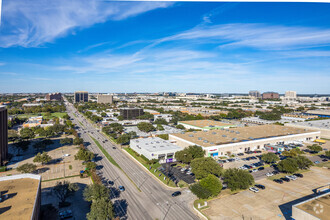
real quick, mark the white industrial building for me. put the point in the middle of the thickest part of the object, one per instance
(155, 148)
(167, 117)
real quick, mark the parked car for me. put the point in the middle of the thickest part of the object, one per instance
(278, 181)
(110, 182)
(285, 179)
(275, 172)
(254, 189)
(325, 160)
(298, 175)
(261, 168)
(121, 188)
(183, 169)
(177, 193)
(291, 177)
(269, 174)
(254, 170)
(65, 214)
(260, 186)
(317, 162)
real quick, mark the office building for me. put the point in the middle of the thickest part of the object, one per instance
(54, 96)
(155, 148)
(217, 143)
(131, 113)
(255, 93)
(270, 95)
(291, 94)
(106, 99)
(20, 196)
(80, 96)
(3, 134)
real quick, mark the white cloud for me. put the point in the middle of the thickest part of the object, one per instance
(260, 36)
(33, 23)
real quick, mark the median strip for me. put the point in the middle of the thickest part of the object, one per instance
(107, 155)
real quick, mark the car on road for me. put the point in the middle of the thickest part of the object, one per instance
(285, 179)
(254, 189)
(260, 186)
(278, 181)
(177, 193)
(121, 188)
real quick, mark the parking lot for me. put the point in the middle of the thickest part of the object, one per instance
(274, 202)
(176, 174)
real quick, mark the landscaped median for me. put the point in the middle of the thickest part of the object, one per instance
(154, 167)
(107, 155)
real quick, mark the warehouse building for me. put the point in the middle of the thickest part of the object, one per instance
(205, 124)
(155, 148)
(319, 125)
(20, 196)
(242, 139)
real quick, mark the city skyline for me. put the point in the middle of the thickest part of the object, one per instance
(164, 46)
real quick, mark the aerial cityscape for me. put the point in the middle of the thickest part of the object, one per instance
(151, 110)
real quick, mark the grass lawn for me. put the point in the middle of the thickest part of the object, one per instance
(153, 167)
(55, 114)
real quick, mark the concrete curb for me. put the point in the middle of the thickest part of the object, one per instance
(199, 214)
(150, 174)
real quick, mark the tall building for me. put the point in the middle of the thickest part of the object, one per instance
(54, 96)
(291, 94)
(80, 96)
(3, 134)
(107, 99)
(131, 113)
(270, 95)
(255, 93)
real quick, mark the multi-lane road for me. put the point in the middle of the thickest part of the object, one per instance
(153, 201)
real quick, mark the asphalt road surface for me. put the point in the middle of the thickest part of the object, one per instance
(155, 200)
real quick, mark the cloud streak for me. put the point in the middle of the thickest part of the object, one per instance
(34, 23)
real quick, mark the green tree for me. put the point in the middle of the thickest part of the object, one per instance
(91, 166)
(103, 114)
(238, 179)
(78, 141)
(66, 116)
(315, 148)
(84, 155)
(269, 157)
(180, 127)
(123, 139)
(163, 136)
(39, 146)
(64, 189)
(204, 166)
(101, 209)
(211, 183)
(66, 141)
(199, 191)
(293, 152)
(27, 168)
(160, 121)
(327, 153)
(26, 133)
(288, 165)
(95, 192)
(145, 126)
(159, 127)
(42, 158)
(303, 162)
(188, 154)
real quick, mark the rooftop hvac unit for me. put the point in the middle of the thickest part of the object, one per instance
(182, 132)
(200, 138)
(224, 135)
(211, 143)
(234, 139)
(190, 135)
(195, 131)
(237, 132)
(251, 138)
(214, 132)
(205, 141)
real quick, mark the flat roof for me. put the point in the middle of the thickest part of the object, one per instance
(155, 144)
(324, 124)
(319, 112)
(318, 207)
(21, 198)
(239, 134)
(205, 123)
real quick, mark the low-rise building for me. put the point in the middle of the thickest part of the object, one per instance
(242, 139)
(318, 125)
(155, 148)
(32, 104)
(167, 117)
(33, 122)
(205, 124)
(20, 196)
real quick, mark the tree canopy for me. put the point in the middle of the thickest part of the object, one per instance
(145, 127)
(27, 168)
(211, 183)
(65, 189)
(42, 158)
(269, 157)
(204, 166)
(190, 153)
(315, 148)
(288, 165)
(84, 155)
(238, 179)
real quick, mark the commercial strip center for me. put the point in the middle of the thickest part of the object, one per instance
(228, 141)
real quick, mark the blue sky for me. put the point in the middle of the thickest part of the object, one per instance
(104, 46)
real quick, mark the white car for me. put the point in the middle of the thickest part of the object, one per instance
(66, 155)
(269, 174)
(254, 189)
(291, 177)
(183, 169)
(254, 170)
